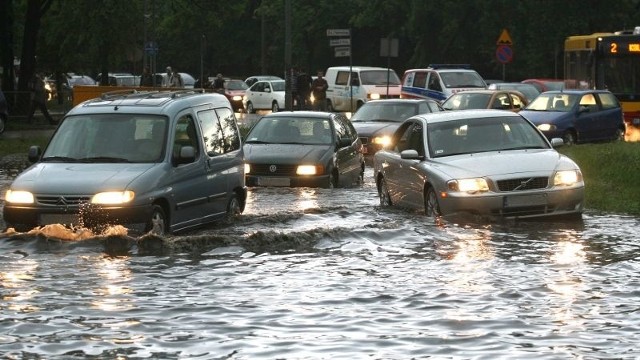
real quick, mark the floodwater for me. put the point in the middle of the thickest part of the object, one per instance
(327, 274)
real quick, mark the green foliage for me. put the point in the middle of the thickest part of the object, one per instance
(609, 170)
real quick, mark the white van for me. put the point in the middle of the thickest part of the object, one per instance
(368, 83)
(439, 81)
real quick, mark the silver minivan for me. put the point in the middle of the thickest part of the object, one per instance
(150, 161)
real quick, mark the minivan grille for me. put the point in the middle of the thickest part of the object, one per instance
(62, 200)
(273, 169)
(523, 184)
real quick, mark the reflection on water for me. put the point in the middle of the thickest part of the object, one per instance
(325, 273)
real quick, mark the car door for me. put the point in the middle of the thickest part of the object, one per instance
(188, 181)
(610, 116)
(223, 157)
(412, 179)
(588, 116)
(347, 157)
(400, 173)
(258, 95)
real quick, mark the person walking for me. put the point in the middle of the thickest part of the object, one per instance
(304, 90)
(319, 88)
(218, 84)
(38, 99)
(146, 79)
(176, 80)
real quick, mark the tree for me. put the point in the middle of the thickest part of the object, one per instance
(35, 11)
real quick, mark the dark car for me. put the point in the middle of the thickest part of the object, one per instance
(577, 116)
(234, 90)
(376, 120)
(303, 148)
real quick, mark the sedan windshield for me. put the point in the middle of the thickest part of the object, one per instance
(468, 136)
(108, 138)
(291, 130)
(464, 100)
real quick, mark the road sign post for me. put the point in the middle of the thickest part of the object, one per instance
(504, 52)
(342, 48)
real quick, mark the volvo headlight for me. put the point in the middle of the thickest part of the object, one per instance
(469, 185)
(113, 197)
(308, 170)
(382, 140)
(19, 197)
(567, 178)
(546, 127)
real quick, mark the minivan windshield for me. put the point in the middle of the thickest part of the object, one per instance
(108, 138)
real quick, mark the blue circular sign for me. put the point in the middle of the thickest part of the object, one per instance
(504, 54)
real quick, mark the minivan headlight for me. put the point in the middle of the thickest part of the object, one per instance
(19, 197)
(113, 197)
(546, 127)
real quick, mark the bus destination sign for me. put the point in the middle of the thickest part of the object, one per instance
(622, 46)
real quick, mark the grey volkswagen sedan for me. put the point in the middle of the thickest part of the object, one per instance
(490, 163)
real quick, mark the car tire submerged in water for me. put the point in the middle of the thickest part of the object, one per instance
(431, 206)
(274, 107)
(233, 208)
(250, 109)
(158, 222)
(569, 138)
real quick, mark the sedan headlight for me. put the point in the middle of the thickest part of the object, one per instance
(469, 185)
(237, 98)
(546, 127)
(309, 170)
(382, 140)
(113, 197)
(567, 178)
(18, 197)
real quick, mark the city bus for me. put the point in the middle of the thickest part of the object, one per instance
(609, 61)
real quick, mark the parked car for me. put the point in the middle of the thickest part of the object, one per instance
(303, 148)
(150, 161)
(486, 99)
(489, 163)
(529, 91)
(377, 120)
(254, 79)
(118, 79)
(545, 84)
(577, 116)
(439, 81)
(235, 90)
(264, 95)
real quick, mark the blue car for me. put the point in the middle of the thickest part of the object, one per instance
(577, 116)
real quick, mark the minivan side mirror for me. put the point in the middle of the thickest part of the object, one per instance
(187, 154)
(344, 142)
(34, 153)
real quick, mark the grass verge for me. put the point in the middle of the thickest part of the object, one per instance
(610, 172)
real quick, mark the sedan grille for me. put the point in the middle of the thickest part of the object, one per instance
(273, 170)
(523, 184)
(58, 200)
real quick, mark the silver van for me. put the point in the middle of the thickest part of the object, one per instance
(351, 87)
(150, 161)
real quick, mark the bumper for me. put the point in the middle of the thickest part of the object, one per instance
(25, 217)
(283, 181)
(568, 201)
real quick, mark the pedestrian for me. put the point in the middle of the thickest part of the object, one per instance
(166, 82)
(38, 99)
(146, 79)
(218, 84)
(294, 73)
(319, 88)
(4, 110)
(176, 80)
(304, 89)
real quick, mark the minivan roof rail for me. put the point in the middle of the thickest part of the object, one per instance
(450, 66)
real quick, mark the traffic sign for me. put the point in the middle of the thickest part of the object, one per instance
(504, 54)
(504, 39)
(338, 32)
(342, 51)
(339, 42)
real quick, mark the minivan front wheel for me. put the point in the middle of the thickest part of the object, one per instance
(158, 222)
(250, 109)
(274, 107)
(233, 208)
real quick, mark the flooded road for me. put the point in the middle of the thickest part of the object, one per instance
(327, 274)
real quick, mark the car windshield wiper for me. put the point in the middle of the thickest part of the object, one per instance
(101, 159)
(59, 159)
(257, 142)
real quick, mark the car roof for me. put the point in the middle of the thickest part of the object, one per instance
(577, 91)
(360, 68)
(148, 102)
(400, 101)
(486, 91)
(444, 116)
